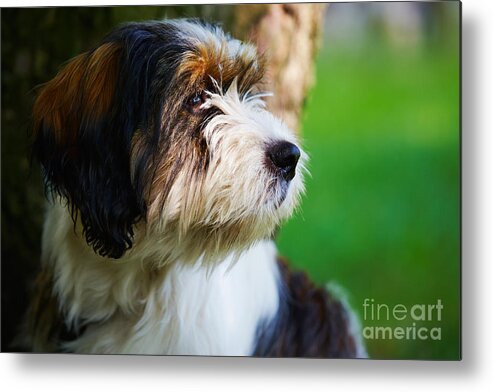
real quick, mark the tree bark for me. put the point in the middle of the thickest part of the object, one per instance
(36, 41)
(288, 34)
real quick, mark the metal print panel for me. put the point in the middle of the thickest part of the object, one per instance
(277, 180)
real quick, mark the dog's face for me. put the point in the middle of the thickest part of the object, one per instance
(164, 125)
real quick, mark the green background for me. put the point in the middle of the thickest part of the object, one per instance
(381, 215)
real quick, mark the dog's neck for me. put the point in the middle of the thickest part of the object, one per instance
(129, 306)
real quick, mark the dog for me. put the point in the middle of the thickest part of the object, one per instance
(167, 178)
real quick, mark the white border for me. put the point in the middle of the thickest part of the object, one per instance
(84, 373)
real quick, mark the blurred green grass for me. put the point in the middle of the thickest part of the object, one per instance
(381, 213)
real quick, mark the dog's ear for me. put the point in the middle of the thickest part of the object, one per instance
(82, 140)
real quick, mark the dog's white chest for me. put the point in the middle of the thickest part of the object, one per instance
(189, 311)
(217, 314)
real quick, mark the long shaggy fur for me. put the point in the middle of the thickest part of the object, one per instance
(167, 178)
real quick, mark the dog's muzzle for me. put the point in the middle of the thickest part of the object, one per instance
(284, 157)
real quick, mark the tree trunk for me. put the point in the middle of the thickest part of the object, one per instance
(32, 53)
(289, 35)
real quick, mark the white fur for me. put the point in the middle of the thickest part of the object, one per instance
(354, 322)
(131, 307)
(213, 35)
(238, 140)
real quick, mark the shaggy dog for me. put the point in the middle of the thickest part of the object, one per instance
(167, 178)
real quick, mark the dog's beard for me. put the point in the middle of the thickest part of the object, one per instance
(238, 200)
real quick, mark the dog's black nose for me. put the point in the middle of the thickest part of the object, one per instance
(284, 156)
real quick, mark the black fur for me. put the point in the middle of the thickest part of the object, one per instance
(93, 171)
(310, 322)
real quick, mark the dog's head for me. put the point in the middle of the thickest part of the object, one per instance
(164, 125)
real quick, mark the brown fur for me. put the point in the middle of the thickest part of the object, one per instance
(209, 61)
(89, 79)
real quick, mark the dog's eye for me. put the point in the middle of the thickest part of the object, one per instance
(197, 100)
